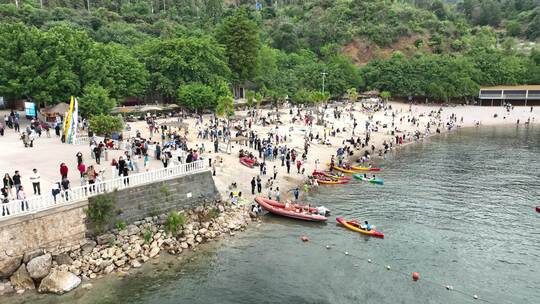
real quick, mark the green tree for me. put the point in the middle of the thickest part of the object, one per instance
(352, 94)
(105, 125)
(250, 98)
(172, 63)
(197, 96)
(385, 95)
(95, 101)
(239, 36)
(225, 106)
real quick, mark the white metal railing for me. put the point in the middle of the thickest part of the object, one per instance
(46, 201)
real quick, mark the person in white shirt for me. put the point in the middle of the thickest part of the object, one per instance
(35, 179)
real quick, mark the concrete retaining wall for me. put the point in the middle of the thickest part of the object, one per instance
(184, 192)
(65, 228)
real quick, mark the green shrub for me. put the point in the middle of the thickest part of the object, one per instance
(147, 235)
(120, 225)
(100, 210)
(214, 213)
(174, 220)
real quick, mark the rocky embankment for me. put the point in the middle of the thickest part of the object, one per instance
(119, 250)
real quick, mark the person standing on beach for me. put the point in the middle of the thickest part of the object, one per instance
(259, 184)
(275, 171)
(35, 179)
(298, 165)
(253, 184)
(288, 163)
(296, 193)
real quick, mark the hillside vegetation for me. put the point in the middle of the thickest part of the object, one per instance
(173, 50)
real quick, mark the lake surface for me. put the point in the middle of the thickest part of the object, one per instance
(458, 209)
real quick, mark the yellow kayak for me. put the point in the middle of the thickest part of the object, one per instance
(344, 170)
(365, 168)
(355, 227)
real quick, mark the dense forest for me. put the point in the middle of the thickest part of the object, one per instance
(194, 51)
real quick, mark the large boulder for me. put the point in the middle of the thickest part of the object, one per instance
(21, 279)
(107, 238)
(88, 247)
(63, 259)
(39, 267)
(59, 282)
(32, 254)
(8, 265)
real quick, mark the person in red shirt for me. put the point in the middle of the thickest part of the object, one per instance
(63, 170)
(82, 168)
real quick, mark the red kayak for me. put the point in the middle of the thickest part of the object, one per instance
(248, 162)
(537, 208)
(300, 212)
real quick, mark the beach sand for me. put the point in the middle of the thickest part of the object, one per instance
(49, 152)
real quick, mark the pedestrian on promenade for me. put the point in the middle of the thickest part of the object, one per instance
(5, 200)
(253, 184)
(55, 190)
(8, 184)
(17, 181)
(259, 184)
(35, 178)
(125, 174)
(97, 154)
(65, 188)
(22, 197)
(79, 156)
(82, 168)
(91, 177)
(63, 170)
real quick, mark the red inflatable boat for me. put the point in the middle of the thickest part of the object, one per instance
(300, 212)
(248, 162)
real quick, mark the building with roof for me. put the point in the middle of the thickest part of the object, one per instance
(518, 95)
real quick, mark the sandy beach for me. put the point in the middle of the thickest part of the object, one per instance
(48, 153)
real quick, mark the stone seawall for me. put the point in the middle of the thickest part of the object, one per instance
(56, 229)
(65, 228)
(136, 203)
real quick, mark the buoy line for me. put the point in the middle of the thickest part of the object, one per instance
(415, 275)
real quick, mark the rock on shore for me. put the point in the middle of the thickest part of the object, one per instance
(59, 282)
(119, 251)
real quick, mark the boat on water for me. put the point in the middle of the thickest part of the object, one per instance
(373, 180)
(355, 226)
(295, 211)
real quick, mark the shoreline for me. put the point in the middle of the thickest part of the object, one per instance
(291, 180)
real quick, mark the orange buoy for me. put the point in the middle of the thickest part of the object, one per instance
(304, 238)
(415, 276)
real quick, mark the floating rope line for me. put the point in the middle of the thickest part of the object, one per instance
(415, 275)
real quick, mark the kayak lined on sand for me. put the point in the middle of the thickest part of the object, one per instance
(378, 181)
(354, 226)
(330, 175)
(345, 170)
(330, 181)
(300, 212)
(357, 168)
